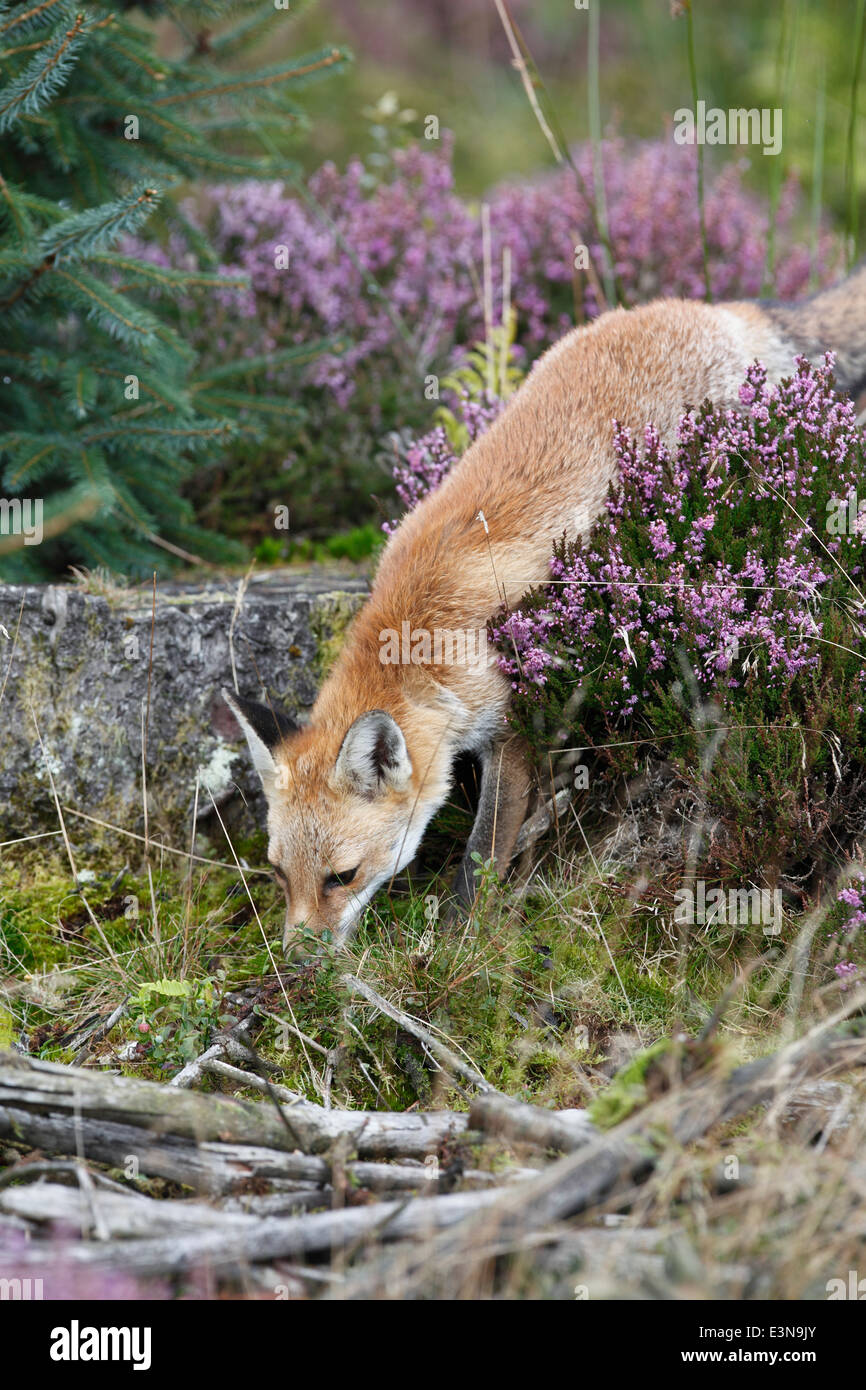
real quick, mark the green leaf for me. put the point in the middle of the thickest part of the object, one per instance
(168, 989)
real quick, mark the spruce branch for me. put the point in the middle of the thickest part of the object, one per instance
(313, 65)
(98, 227)
(42, 79)
(36, 15)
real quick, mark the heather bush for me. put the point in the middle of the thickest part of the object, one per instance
(844, 931)
(714, 619)
(406, 227)
(654, 236)
(387, 258)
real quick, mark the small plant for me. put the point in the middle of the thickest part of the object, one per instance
(174, 1019)
(488, 376)
(486, 881)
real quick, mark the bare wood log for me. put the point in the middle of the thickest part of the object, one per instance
(580, 1180)
(207, 1167)
(403, 1177)
(183, 1234)
(217, 1169)
(290, 1200)
(563, 1130)
(383, 1178)
(30, 1085)
(245, 1239)
(32, 1088)
(286, 1202)
(128, 1214)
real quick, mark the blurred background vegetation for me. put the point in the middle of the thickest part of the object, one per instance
(382, 234)
(451, 58)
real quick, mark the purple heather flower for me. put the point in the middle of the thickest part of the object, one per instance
(405, 225)
(739, 616)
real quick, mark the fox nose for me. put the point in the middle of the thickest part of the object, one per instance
(292, 937)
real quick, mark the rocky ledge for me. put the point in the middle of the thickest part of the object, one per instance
(82, 670)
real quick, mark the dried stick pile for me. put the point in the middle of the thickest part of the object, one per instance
(288, 1198)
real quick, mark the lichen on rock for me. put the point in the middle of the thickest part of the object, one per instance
(83, 683)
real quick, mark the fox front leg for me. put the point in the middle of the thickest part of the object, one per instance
(506, 783)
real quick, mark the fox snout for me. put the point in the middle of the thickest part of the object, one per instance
(297, 938)
(343, 814)
(302, 933)
(325, 914)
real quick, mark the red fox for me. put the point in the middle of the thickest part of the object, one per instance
(351, 793)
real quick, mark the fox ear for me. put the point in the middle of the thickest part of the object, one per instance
(373, 755)
(262, 727)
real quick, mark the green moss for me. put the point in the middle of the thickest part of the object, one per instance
(329, 620)
(627, 1091)
(526, 991)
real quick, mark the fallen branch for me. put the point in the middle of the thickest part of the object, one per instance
(229, 1242)
(562, 1130)
(452, 1062)
(449, 1243)
(248, 1078)
(57, 1102)
(234, 1044)
(100, 1032)
(214, 1168)
(628, 1154)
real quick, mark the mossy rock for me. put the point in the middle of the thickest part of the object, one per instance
(84, 678)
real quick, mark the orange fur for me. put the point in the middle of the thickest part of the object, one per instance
(543, 469)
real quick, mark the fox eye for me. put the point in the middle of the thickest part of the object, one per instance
(340, 880)
(279, 876)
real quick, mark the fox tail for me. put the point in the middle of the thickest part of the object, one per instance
(831, 320)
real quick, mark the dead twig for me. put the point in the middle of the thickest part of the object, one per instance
(444, 1054)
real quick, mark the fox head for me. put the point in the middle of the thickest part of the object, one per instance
(346, 811)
